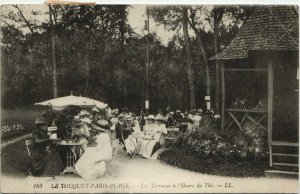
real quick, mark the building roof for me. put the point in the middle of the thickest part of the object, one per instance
(268, 28)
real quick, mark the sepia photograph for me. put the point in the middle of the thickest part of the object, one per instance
(149, 98)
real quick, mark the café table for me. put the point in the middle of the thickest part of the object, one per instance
(71, 156)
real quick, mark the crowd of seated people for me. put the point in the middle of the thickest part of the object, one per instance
(95, 131)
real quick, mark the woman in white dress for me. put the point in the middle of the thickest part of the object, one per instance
(152, 140)
(91, 164)
(132, 142)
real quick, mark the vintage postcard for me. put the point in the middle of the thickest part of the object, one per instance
(144, 98)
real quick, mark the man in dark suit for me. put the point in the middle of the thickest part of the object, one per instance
(119, 127)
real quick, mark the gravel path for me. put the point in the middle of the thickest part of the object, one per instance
(142, 175)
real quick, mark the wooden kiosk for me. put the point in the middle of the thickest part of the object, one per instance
(265, 52)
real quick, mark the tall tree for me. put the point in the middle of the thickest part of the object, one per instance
(236, 15)
(176, 18)
(218, 15)
(53, 53)
(202, 50)
(189, 57)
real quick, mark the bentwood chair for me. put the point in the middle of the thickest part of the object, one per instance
(28, 142)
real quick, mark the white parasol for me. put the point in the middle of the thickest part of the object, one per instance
(62, 102)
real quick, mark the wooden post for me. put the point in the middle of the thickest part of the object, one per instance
(270, 108)
(223, 96)
(217, 99)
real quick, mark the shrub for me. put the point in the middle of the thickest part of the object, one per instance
(230, 146)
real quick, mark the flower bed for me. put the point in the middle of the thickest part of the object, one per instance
(209, 150)
(13, 131)
(15, 123)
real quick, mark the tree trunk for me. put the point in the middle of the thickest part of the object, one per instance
(203, 53)
(87, 75)
(189, 58)
(216, 32)
(122, 53)
(53, 54)
(207, 70)
(218, 14)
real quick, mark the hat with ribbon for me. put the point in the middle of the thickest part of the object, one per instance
(100, 125)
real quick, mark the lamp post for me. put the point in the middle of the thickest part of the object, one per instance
(147, 63)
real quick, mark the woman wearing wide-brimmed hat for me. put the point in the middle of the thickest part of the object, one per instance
(197, 117)
(85, 118)
(152, 142)
(45, 160)
(149, 125)
(81, 134)
(132, 141)
(91, 164)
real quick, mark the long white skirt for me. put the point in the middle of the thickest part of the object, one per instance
(147, 146)
(130, 144)
(91, 164)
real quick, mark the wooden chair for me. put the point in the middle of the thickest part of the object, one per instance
(28, 142)
(171, 137)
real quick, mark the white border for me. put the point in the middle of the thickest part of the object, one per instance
(258, 2)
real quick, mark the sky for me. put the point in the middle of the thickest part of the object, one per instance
(136, 19)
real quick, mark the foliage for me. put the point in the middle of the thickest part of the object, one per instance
(184, 160)
(13, 131)
(64, 119)
(16, 123)
(230, 146)
(99, 56)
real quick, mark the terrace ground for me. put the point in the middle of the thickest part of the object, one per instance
(130, 175)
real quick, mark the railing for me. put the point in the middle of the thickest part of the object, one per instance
(283, 155)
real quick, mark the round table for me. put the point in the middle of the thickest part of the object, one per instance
(71, 156)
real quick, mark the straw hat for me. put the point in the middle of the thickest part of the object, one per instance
(83, 112)
(121, 116)
(128, 117)
(150, 117)
(160, 117)
(199, 111)
(192, 111)
(40, 120)
(124, 109)
(95, 109)
(100, 125)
